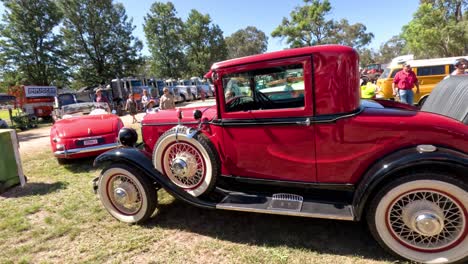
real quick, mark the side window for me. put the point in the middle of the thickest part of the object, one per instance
(394, 72)
(431, 70)
(270, 88)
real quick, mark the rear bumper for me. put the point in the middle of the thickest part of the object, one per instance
(78, 151)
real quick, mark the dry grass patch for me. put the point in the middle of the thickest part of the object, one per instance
(57, 218)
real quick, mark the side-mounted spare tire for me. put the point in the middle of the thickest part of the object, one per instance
(189, 160)
(449, 98)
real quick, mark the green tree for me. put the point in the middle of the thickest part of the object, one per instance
(30, 51)
(98, 35)
(307, 25)
(438, 29)
(452, 9)
(245, 42)
(394, 47)
(204, 43)
(163, 31)
(367, 56)
(351, 35)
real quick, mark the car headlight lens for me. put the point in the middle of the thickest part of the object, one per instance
(60, 147)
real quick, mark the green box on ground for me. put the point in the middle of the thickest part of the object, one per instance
(11, 172)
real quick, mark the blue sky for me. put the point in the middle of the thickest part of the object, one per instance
(383, 18)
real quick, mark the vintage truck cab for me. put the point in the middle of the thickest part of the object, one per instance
(290, 135)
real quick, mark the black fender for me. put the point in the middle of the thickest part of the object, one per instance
(390, 166)
(134, 158)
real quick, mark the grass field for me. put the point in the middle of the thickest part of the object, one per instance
(57, 218)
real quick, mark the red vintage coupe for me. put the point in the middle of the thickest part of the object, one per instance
(290, 135)
(86, 130)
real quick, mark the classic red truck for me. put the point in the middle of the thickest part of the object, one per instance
(290, 135)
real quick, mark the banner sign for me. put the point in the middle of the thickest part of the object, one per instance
(40, 91)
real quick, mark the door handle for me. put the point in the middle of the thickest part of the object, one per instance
(304, 123)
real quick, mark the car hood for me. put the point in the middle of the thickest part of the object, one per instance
(170, 116)
(86, 126)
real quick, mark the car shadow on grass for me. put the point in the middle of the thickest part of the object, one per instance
(79, 165)
(34, 188)
(310, 234)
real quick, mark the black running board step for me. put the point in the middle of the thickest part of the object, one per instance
(269, 205)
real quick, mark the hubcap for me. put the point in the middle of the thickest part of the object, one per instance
(428, 224)
(125, 196)
(426, 220)
(185, 163)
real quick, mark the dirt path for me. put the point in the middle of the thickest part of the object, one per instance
(38, 138)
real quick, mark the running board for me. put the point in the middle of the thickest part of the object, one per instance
(285, 204)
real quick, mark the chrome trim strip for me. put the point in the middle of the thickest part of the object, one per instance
(68, 152)
(171, 124)
(301, 121)
(291, 213)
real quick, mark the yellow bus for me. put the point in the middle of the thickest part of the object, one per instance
(429, 73)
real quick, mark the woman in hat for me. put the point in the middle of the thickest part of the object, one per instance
(149, 106)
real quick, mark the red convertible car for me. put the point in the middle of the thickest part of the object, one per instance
(290, 135)
(85, 130)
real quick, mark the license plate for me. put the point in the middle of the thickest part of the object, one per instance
(90, 142)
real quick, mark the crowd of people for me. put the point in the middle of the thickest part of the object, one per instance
(150, 104)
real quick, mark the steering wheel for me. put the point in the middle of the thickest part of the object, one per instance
(264, 100)
(237, 102)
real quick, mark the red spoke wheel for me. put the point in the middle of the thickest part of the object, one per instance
(188, 160)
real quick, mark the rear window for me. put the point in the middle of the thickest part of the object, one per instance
(431, 70)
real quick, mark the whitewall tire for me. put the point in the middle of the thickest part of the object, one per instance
(127, 195)
(423, 218)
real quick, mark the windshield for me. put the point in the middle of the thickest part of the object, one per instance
(85, 108)
(135, 83)
(385, 74)
(66, 99)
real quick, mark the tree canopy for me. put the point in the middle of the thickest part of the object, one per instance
(204, 43)
(308, 26)
(99, 40)
(245, 42)
(30, 51)
(438, 29)
(163, 31)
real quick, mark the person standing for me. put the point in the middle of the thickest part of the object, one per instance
(461, 65)
(131, 107)
(100, 98)
(145, 98)
(167, 100)
(404, 81)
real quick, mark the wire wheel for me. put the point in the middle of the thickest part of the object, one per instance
(184, 165)
(127, 194)
(124, 194)
(188, 159)
(422, 217)
(426, 220)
